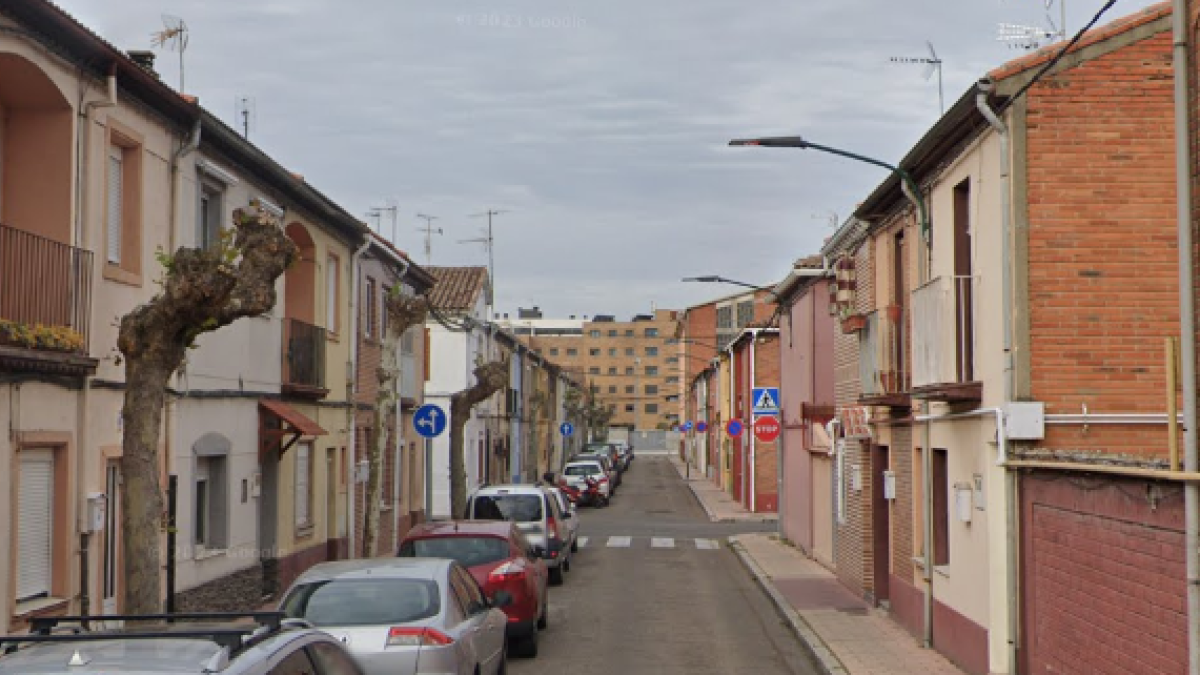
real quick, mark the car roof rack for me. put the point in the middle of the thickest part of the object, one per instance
(232, 638)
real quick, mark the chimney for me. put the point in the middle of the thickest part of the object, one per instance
(144, 58)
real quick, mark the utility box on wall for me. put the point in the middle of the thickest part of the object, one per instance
(1025, 421)
(889, 484)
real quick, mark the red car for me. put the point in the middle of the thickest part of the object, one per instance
(500, 558)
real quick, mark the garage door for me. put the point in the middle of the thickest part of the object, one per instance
(36, 516)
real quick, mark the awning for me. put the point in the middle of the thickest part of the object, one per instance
(294, 426)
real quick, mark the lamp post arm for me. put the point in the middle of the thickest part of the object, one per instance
(911, 189)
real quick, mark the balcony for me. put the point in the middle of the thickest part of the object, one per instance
(303, 359)
(45, 305)
(881, 362)
(944, 341)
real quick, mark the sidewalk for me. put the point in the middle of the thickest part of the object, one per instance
(720, 507)
(844, 635)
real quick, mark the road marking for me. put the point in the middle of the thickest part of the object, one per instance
(662, 542)
(618, 542)
(706, 544)
(581, 542)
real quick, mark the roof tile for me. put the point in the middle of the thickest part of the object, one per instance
(457, 288)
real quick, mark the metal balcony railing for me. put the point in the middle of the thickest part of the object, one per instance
(45, 282)
(944, 332)
(303, 354)
(881, 353)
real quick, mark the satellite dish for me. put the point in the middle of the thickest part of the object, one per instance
(173, 37)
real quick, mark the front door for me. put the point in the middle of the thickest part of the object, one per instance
(880, 523)
(111, 565)
(333, 540)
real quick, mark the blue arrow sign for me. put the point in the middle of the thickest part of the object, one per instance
(566, 428)
(687, 426)
(702, 427)
(429, 421)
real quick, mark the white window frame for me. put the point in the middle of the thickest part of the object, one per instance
(302, 484)
(114, 217)
(31, 585)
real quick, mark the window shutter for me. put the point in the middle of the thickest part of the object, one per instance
(116, 207)
(302, 461)
(331, 299)
(34, 528)
(218, 487)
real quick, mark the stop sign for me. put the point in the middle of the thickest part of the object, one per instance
(767, 428)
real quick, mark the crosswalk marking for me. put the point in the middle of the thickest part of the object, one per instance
(706, 544)
(662, 542)
(581, 542)
(701, 544)
(619, 542)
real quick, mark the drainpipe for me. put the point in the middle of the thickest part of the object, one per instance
(1187, 320)
(753, 468)
(351, 407)
(1011, 580)
(398, 451)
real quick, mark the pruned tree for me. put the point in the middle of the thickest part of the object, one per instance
(489, 378)
(403, 312)
(202, 290)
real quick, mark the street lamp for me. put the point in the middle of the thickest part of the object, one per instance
(908, 184)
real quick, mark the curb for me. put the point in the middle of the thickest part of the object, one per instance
(822, 655)
(712, 516)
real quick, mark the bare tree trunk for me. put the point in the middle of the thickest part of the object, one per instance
(489, 379)
(403, 313)
(201, 292)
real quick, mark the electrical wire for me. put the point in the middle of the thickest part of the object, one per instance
(1051, 63)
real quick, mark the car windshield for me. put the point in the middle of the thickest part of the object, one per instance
(582, 469)
(363, 602)
(468, 551)
(517, 508)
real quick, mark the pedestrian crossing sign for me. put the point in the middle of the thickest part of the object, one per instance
(766, 400)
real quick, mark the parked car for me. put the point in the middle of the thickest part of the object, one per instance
(570, 518)
(501, 559)
(395, 613)
(610, 450)
(614, 476)
(626, 454)
(223, 643)
(577, 471)
(537, 515)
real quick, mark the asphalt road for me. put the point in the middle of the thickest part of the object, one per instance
(661, 602)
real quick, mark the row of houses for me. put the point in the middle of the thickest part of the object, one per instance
(103, 169)
(976, 375)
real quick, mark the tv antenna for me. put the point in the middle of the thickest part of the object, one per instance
(932, 63)
(830, 216)
(429, 231)
(173, 36)
(378, 211)
(1019, 36)
(488, 241)
(247, 111)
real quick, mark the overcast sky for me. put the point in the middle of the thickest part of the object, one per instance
(599, 127)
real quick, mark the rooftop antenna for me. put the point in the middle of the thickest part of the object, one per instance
(830, 216)
(932, 63)
(429, 231)
(247, 114)
(378, 212)
(173, 36)
(488, 242)
(1031, 37)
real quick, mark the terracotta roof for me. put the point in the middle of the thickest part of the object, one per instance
(1116, 27)
(457, 288)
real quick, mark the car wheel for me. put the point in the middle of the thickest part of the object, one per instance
(502, 669)
(556, 576)
(574, 546)
(528, 646)
(544, 619)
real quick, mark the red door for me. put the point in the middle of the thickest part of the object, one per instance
(737, 469)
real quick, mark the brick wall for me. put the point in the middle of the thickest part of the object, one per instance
(766, 374)
(1103, 562)
(1102, 262)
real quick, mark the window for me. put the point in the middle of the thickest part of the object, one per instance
(612, 370)
(612, 352)
(941, 508)
(628, 407)
(725, 317)
(35, 527)
(571, 351)
(370, 303)
(652, 408)
(123, 211)
(593, 370)
(629, 389)
(593, 352)
(332, 660)
(296, 663)
(674, 379)
(303, 485)
(210, 219)
(745, 313)
(554, 351)
(651, 351)
(612, 389)
(629, 332)
(629, 370)
(652, 370)
(612, 333)
(383, 315)
(629, 351)
(332, 272)
(651, 332)
(652, 389)
(209, 502)
(594, 333)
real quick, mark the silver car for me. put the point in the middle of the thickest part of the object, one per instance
(403, 616)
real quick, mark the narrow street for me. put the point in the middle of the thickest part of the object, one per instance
(656, 589)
